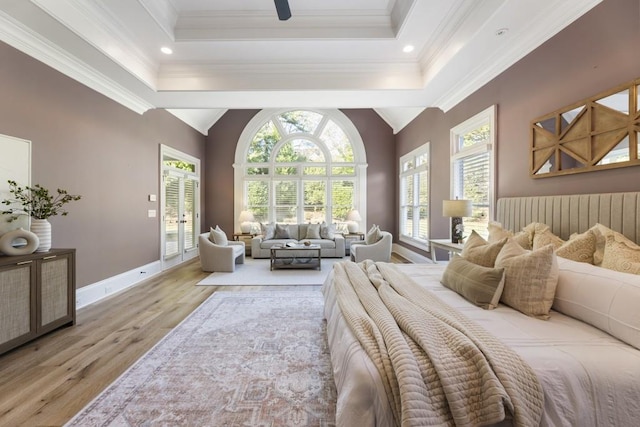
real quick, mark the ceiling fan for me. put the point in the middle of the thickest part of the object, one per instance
(282, 7)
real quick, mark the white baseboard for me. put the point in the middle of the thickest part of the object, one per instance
(410, 255)
(96, 291)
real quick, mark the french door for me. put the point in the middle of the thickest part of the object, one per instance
(180, 202)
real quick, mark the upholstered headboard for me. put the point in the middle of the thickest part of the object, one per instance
(573, 213)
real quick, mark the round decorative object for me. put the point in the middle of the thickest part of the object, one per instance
(307, 243)
(8, 239)
(42, 228)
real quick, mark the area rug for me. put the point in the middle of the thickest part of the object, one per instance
(240, 359)
(257, 272)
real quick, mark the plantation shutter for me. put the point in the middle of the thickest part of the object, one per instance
(189, 216)
(172, 200)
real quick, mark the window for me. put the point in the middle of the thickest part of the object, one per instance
(296, 166)
(414, 197)
(472, 168)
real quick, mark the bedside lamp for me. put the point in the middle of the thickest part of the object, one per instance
(353, 218)
(245, 219)
(456, 210)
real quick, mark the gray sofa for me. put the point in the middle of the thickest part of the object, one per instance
(329, 248)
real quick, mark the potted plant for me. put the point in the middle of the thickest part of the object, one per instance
(40, 205)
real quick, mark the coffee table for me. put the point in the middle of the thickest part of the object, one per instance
(298, 256)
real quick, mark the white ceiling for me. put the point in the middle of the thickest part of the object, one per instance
(237, 54)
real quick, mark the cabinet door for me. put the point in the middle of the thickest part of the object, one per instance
(55, 302)
(17, 304)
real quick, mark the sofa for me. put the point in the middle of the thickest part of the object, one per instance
(332, 245)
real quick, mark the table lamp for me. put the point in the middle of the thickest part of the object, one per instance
(245, 219)
(353, 218)
(456, 210)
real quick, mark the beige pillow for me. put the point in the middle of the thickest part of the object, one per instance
(373, 235)
(531, 278)
(479, 251)
(601, 232)
(533, 228)
(313, 231)
(497, 233)
(217, 236)
(621, 256)
(480, 285)
(544, 238)
(579, 247)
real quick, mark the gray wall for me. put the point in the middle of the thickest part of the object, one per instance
(595, 53)
(220, 154)
(89, 145)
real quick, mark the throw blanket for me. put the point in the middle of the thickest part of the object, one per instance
(437, 366)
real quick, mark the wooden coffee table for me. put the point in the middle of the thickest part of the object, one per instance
(299, 256)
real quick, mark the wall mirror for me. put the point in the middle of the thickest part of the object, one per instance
(601, 132)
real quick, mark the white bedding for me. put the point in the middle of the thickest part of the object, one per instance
(589, 377)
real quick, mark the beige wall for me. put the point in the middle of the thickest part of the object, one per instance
(90, 145)
(595, 53)
(378, 140)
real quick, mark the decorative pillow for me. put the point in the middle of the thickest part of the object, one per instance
(373, 235)
(282, 231)
(531, 278)
(478, 251)
(268, 231)
(606, 299)
(497, 233)
(601, 232)
(313, 231)
(533, 228)
(579, 247)
(327, 231)
(546, 237)
(217, 236)
(480, 285)
(621, 256)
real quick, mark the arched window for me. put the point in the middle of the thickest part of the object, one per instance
(300, 166)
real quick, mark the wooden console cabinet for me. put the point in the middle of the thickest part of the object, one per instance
(37, 295)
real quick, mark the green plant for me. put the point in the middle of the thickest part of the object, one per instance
(36, 202)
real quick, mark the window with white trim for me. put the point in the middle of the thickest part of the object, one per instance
(414, 197)
(473, 145)
(296, 166)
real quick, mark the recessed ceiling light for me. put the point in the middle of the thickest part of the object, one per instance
(408, 48)
(166, 50)
(502, 31)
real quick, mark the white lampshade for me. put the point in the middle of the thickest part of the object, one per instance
(456, 208)
(245, 219)
(353, 218)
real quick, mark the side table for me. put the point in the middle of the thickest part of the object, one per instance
(246, 238)
(446, 244)
(351, 237)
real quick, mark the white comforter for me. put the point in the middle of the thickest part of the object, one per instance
(589, 378)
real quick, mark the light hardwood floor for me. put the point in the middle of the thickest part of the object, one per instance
(46, 382)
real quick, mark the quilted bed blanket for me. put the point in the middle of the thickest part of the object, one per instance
(437, 366)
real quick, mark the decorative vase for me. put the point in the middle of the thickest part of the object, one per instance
(42, 229)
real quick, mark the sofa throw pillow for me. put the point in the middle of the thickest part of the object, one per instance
(623, 256)
(268, 231)
(579, 247)
(327, 231)
(373, 235)
(479, 251)
(217, 236)
(282, 231)
(480, 285)
(313, 231)
(531, 278)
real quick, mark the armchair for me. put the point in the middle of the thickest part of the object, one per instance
(378, 251)
(219, 257)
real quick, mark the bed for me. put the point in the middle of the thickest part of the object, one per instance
(585, 357)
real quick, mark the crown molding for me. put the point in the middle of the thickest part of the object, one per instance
(199, 119)
(15, 34)
(164, 13)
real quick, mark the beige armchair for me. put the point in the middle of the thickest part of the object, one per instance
(378, 251)
(218, 257)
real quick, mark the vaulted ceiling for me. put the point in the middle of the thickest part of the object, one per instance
(329, 54)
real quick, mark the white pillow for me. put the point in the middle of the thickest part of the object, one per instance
(606, 299)
(218, 236)
(327, 231)
(373, 235)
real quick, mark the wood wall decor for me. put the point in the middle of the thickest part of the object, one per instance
(601, 132)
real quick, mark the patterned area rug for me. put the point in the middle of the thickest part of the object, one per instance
(240, 359)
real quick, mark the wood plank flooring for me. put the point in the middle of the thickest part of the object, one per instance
(46, 382)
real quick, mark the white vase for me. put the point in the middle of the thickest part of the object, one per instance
(42, 229)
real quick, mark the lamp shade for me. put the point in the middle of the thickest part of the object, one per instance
(456, 208)
(354, 215)
(246, 216)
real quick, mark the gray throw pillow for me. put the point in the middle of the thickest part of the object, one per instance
(268, 231)
(373, 235)
(327, 231)
(282, 231)
(480, 285)
(313, 231)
